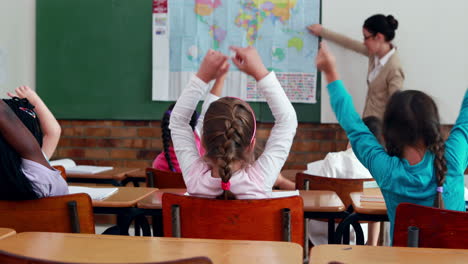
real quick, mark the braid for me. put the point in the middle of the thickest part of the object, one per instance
(166, 137)
(440, 164)
(227, 154)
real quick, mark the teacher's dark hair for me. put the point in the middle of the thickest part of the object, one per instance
(386, 25)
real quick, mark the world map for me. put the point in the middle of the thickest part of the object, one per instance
(277, 28)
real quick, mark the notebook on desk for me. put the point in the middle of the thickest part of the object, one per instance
(71, 167)
(94, 193)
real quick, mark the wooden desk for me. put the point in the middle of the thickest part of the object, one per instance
(369, 255)
(136, 177)
(6, 232)
(119, 249)
(116, 176)
(363, 211)
(314, 201)
(125, 197)
(123, 203)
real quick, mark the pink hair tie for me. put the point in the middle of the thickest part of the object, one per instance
(226, 186)
(440, 189)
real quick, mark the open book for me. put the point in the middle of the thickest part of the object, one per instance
(372, 198)
(71, 167)
(94, 193)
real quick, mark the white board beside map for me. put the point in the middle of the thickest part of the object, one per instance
(184, 30)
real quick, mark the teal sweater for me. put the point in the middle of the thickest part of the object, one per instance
(398, 180)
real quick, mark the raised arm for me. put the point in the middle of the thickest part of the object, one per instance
(279, 143)
(49, 125)
(181, 132)
(19, 137)
(212, 96)
(456, 146)
(366, 147)
(342, 40)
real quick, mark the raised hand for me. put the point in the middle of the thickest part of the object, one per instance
(315, 29)
(213, 65)
(248, 61)
(326, 63)
(25, 92)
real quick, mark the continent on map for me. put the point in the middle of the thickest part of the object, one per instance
(278, 54)
(218, 34)
(254, 12)
(206, 7)
(296, 42)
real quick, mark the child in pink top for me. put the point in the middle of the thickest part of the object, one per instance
(167, 160)
(228, 169)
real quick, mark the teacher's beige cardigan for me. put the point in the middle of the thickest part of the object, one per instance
(389, 80)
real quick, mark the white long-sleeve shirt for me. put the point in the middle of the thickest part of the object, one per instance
(254, 181)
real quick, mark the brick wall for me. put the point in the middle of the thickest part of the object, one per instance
(136, 143)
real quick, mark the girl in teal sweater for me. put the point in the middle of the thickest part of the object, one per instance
(416, 166)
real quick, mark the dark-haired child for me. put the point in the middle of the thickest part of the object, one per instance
(228, 169)
(385, 75)
(417, 166)
(167, 160)
(51, 129)
(24, 171)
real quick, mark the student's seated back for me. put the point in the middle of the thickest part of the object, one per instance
(228, 170)
(24, 171)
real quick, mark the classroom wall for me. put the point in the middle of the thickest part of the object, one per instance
(17, 44)
(432, 40)
(136, 143)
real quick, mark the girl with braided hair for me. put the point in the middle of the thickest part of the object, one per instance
(417, 166)
(228, 169)
(24, 170)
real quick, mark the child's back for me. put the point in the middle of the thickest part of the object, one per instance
(229, 135)
(416, 168)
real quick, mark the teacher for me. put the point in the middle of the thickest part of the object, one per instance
(385, 75)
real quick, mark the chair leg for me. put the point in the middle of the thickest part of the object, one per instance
(306, 184)
(413, 236)
(176, 232)
(286, 216)
(150, 178)
(74, 219)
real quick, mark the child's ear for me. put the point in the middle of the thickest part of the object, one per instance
(252, 145)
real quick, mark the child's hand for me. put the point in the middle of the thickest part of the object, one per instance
(213, 65)
(326, 63)
(24, 92)
(248, 61)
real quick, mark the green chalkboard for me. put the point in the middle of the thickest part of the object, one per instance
(94, 61)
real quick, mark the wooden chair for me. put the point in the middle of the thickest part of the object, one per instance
(10, 258)
(62, 171)
(164, 179)
(342, 187)
(437, 228)
(68, 214)
(280, 219)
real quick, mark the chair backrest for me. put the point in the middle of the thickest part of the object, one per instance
(62, 171)
(279, 219)
(164, 179)
(68, 214)
(341, 186)
(438, 228)
(10, 258)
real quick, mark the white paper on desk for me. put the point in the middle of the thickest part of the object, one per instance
(372, 198)
(370, 184)
(71, 167)
(281, 194)
(94, 193)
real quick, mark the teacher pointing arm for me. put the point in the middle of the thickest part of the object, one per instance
(385, 74)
